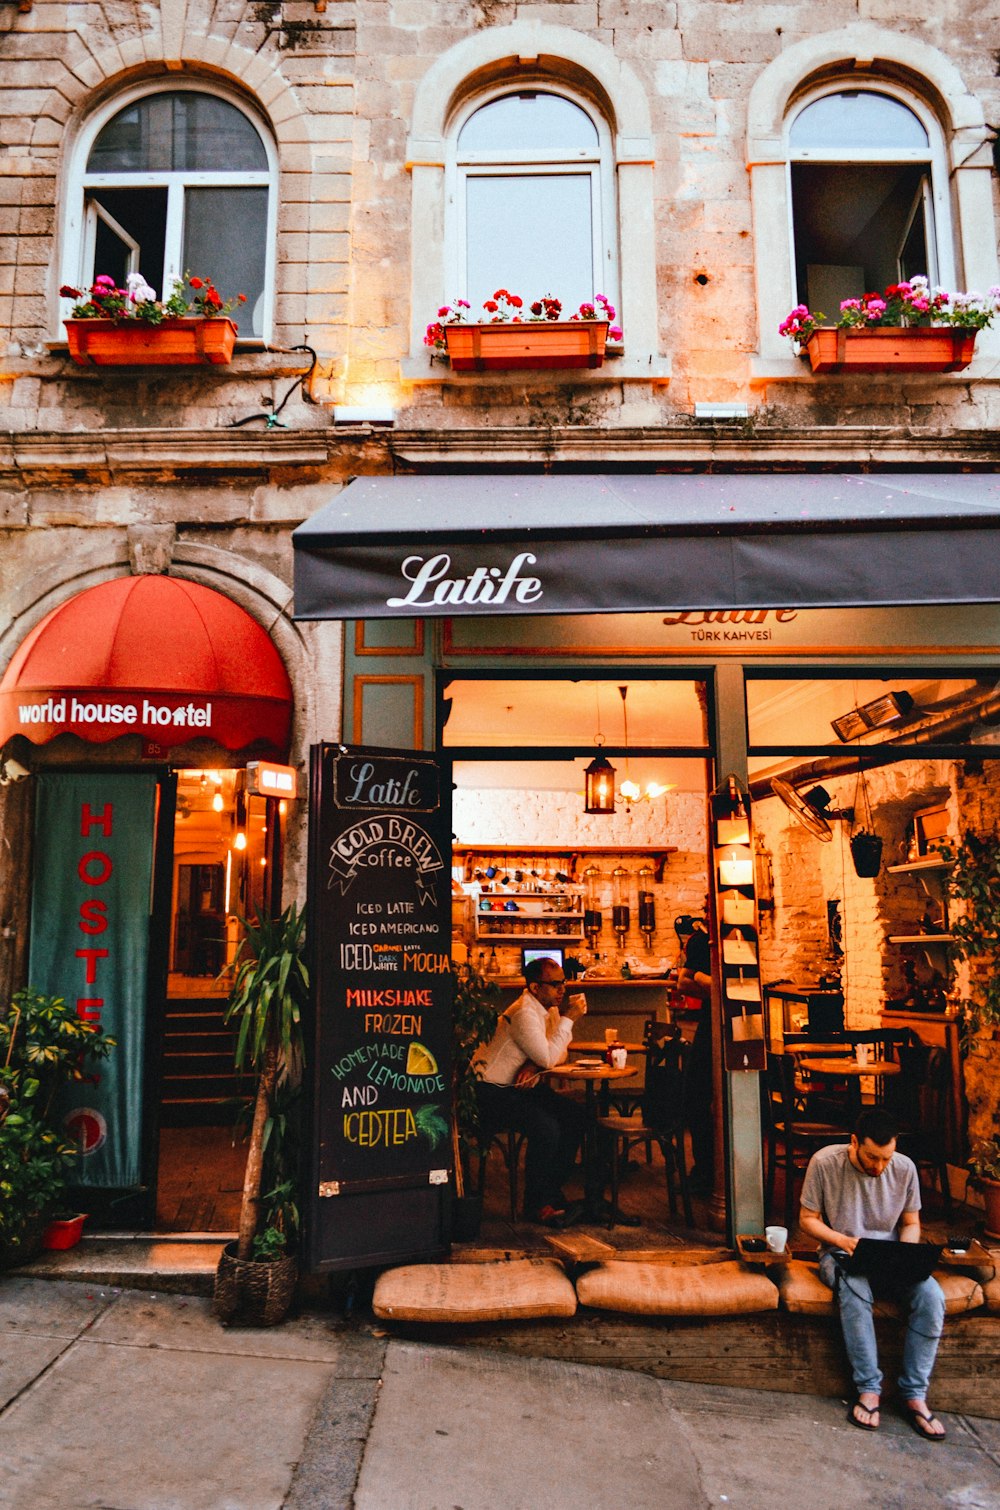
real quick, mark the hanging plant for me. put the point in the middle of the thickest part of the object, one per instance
(866, 845)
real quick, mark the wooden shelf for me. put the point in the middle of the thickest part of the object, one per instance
(914, 867)
(922, 938)
(573, 855)
(530, 938)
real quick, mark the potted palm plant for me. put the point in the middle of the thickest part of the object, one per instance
(256, 1275)
(44, 1047)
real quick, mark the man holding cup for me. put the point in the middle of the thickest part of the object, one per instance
(532, 1035)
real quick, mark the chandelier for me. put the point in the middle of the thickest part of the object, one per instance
(600, 790)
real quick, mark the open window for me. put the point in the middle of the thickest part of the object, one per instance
(175, 181)
(533, 208)
(866, 196)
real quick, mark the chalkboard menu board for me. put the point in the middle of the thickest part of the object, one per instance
(380, 940)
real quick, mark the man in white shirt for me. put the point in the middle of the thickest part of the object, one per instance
(866, 1189)
(533, 1034)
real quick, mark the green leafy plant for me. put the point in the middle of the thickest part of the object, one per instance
(137, 303)
(910, 303)
(477, 1006)
(985, 1161)
(269, 992)
(974, 883)
(270, 1245)
(44, 1046)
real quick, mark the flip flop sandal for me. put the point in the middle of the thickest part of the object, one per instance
(919, 1421)
(869, 1410)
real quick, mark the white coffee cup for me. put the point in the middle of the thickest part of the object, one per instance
(861, 1051)
(579, 1000)
(776, 1237)
(618, 1058)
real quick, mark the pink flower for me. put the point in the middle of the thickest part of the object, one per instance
(444, 310)
(615, 333)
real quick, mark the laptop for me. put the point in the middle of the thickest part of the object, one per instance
(893, 1263)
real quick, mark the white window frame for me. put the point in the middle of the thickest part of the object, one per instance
(596, 164)
(940, 253)
(78, 226)
(965, 229)
(509, 57)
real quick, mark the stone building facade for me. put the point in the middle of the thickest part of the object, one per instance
(703, 206)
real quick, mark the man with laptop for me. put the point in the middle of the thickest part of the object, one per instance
(861, 1201)
(532, 1035)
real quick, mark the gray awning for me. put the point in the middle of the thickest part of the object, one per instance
(422, 546)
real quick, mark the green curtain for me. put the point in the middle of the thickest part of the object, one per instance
(90, 914)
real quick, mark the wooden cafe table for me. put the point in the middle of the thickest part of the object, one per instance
(850, 1069)
(592, 1076)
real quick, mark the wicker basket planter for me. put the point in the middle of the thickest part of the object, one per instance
(249, 1292)
(175, 343)
(893, 348)
(533, 346)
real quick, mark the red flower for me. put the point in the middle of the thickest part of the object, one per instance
(241, 298)
(196, 283)
(491, 305)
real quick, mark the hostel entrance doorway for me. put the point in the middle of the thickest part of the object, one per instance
(226, 866)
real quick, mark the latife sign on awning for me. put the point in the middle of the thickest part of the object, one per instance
(390, 547)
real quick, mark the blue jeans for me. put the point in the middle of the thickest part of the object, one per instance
(924, 1304)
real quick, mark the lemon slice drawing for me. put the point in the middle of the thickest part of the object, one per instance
(420, 1060)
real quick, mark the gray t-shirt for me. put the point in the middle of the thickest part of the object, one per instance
(859, 1204)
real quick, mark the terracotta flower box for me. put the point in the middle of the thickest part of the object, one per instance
(175, 343)
(893, 348)
(532, 346)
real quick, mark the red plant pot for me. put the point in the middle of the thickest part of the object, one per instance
(892, 348)
(186, 342)
(63, 1232)
(529, 345)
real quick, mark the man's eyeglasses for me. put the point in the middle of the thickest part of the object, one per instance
(556, 984)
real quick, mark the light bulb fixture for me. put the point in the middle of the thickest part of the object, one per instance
(599, 777)
(630, 791)
(599, 780)
(240, 840)
(217, 803)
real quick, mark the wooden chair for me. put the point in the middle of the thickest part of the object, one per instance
(509, 1145)
(917, 1098)
(792, 1134)
(659, 1120)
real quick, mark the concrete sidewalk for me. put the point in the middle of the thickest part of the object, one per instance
(123, 1400)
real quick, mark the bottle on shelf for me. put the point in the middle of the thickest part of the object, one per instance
(493, 964)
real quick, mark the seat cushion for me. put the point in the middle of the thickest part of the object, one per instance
(502, 1291)
(724, 1289)
(803, 1291)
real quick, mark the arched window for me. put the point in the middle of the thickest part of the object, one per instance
(175, 181)
(533, 207)
(867, 193)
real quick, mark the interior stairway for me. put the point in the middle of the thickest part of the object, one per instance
(201, 1087)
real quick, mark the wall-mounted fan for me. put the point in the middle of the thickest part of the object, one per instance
(813, 809)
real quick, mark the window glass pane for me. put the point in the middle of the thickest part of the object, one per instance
(861, 711)
(142, 216)
(224, 239)
(568, 715)
(857, 119)
(851, 225)
(531, 234)
(522, 122)
(182, 132)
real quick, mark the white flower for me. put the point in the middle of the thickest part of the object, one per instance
(139, 290)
